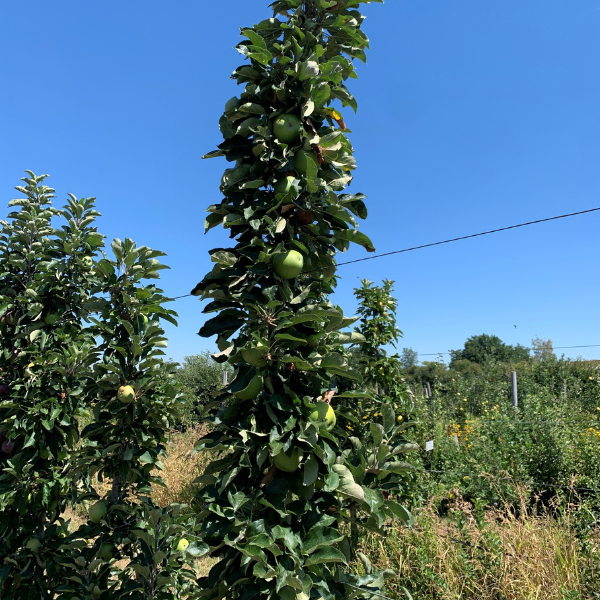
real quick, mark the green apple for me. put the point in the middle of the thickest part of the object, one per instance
(302, 161)
(399, 419)
(287, 128)
(87, 262)
(98, 512)
(126, 394)
(288, 264)
(51, 319)
(251, 390)
(34, 545)
(182, 546)
(106, 551)
(285, 186)
(286, 463)
(324, 412)
(255, 356)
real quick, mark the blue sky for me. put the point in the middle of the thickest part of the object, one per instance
(472, 115)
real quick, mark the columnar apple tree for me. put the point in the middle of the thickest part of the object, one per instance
(134, 402)
(377, 423)
(45, 351)
(277, 495)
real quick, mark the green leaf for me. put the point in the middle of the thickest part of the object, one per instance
(389, 417)
(326, 555)
(311, 470)
(320, 536)
(399, 467)
(348, 487)
(401, 513)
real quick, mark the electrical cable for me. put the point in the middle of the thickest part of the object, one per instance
(545, 348)
(457, 239)
(466, 237)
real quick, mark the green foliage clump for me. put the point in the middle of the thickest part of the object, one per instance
(482, 349)
(200, 379)
(81, 342)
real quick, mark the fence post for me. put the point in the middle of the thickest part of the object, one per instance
(515, 395)
(564, 390)
(224, 377)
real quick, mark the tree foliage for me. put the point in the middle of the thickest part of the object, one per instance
(200, 378)
(277, 493)
(484, 348)
(75, 333)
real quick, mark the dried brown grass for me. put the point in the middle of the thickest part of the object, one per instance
(507, 555)
(181, 467)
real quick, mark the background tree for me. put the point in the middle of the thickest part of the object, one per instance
(200, 378)
(483, 348)
(278, 494)
(409, 357)
(542, 348)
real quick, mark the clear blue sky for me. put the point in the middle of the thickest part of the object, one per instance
(472, 115)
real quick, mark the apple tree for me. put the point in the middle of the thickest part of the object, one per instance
(277, 495)
(45, 352)
(378, 421)
(135, 400)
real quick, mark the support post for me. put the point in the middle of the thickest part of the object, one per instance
(515, 395)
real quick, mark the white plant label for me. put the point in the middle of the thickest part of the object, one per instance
(429, 446)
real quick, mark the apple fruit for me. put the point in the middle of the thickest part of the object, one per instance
(285, 186)
(87, 262)
(4, 389)
(285, 463)
(287, 128)
(126, 394)
(399, 419)
(255, 356)
(34, 545)
(288, 264)
(182, 546)
(324, 412)
(51, 319)
(251, 390)
(301, 161)
(106, 551)
(8, 446)
(98, 512)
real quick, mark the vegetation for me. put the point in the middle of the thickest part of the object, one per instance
(278, 498)
(303, 478)
(200, 379)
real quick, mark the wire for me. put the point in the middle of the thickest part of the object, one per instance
(546, 348)
(464, 237)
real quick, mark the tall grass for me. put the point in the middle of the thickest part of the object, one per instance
(181, 467)
(494, 555)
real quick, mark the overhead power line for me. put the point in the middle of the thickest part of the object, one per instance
(545, 348)
(466, 237)
(457, 239)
